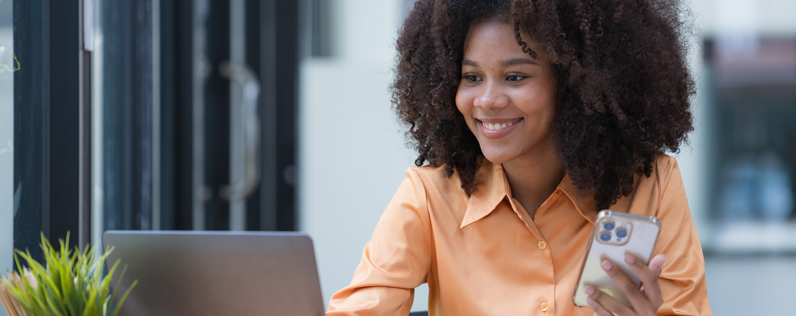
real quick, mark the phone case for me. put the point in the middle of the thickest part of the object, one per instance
(639, 240)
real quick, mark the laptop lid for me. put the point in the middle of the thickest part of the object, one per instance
(216, 273)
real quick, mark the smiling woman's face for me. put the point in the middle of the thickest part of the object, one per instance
(506, 96)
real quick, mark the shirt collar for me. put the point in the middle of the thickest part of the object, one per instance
(492, 187)
(584, 202)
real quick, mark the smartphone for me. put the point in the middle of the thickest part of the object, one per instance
(615, 235)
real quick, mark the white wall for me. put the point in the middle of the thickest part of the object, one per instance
(751, 285)
(352, 156)
(772, 17)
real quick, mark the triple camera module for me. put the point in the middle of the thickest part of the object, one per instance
(614, 232)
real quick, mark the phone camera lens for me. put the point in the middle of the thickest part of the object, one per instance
(621, 233)
(609, 226)
(605, 236)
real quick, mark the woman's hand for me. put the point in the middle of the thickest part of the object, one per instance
(644, 301)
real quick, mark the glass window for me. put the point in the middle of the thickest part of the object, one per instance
(8, 65)
(753, 82)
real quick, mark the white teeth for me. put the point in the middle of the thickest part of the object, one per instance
(495, 127)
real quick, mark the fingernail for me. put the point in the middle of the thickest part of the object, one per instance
(589, 290)
(630, 259)
(664, 258)
(606, 265)
(589, 301)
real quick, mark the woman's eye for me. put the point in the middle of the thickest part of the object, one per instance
(471, 78)
(514, 78)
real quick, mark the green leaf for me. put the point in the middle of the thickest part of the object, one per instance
(71, 282)
(35, 303)
(124, 297)
(90, 305)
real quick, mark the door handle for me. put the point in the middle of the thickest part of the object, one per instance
(250, 117)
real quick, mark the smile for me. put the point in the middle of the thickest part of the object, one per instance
(497, 128)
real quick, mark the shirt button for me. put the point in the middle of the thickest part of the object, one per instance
(542, 244)
(544, 307)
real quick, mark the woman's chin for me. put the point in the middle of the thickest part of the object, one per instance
(497, 156)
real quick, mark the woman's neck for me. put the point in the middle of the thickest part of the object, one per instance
(534, 177)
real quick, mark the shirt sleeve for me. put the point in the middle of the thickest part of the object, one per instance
(396, 259)
(682, 279)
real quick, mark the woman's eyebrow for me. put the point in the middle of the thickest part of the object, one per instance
(469, 63)
(505, 63)
(518, 61)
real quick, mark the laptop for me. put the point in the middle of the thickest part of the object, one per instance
(216, 273)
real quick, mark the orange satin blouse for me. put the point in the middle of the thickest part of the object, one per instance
(484, 255)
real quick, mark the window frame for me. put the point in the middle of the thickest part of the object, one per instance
(49, 157)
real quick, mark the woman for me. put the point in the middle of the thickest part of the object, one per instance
(530, 117)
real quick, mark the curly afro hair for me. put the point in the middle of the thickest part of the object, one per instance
(623, 86)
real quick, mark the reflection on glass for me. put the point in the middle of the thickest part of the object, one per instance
(8, 64)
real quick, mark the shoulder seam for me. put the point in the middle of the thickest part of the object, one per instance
(671, 163)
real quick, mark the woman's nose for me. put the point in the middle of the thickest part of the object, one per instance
(491, 98)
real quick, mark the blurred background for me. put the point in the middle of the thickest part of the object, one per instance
(276, 115)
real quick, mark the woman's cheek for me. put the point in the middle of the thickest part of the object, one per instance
(464, 105)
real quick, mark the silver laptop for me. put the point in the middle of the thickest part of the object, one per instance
(216, 273)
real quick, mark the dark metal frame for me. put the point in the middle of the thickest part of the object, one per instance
(274, 24)
(176, 114)
(285, 74)
(47, 111)
(216, 116)
(127, 114)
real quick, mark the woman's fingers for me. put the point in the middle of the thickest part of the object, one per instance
(604, 304)
(598, 309)
(639, 301)
(656, 264)
(649, 277)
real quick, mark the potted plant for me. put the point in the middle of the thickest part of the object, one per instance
(69, 283)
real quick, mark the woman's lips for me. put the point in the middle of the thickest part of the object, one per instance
(497, 128)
